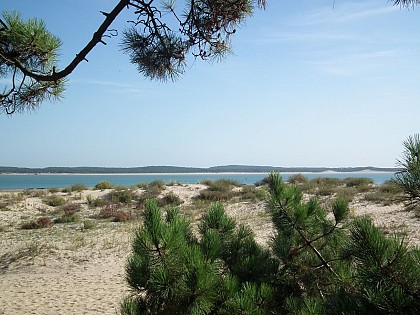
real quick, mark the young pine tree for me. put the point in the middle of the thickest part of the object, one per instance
(316, 263)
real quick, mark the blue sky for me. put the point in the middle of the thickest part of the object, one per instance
(309, 83)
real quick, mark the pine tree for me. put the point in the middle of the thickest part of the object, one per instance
(409, 176)
(316, 263)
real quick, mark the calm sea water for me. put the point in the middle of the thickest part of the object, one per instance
(10, 182)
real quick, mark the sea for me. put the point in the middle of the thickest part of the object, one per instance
(42, 181)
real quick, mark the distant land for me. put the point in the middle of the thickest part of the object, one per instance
(179, 169)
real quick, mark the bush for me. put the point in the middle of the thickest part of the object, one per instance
(54, 201)
(77, 187)
(219, 190)
(72, 218)
(391, 187)
(157, 184)
(88, 224)
(357, 181)
(103, 185)
(97, 202)
(42, 222)
(120, 196)
(170, 199)
(297, 179)
(30, 225)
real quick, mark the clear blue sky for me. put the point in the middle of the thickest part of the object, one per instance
(310, 83)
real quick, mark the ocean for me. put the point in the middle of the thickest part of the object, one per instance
(14, 182)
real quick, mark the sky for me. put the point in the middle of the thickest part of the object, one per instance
(308, 83)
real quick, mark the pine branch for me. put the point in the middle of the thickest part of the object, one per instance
(81, 56)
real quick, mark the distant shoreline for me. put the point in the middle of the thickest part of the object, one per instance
(200, 173)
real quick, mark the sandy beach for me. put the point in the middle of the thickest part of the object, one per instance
(75, 269)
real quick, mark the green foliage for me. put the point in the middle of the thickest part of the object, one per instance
(358, 181)
(89, 224)
(103, 185)
(297, 179)
(54, 201)
(409, 176)
(67, 218)
(124, 196)
(30, 45)
(77, 187)
(170, 199)
(316, 264)
(95, 202)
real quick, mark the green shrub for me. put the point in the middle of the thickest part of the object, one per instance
(53, 190)
(170, 199)
(88, 224)
(120, 196)
(95, 202)
(77, 188)
(346, 193)
(391, 187)
(103, 185)
(72, 218)
(326, 182)
(219, 190)
(54, 201)
(156, 184)
(4, 206)
(30, 225)
(297, 179)
(142, 185)
(357, 181)
(264, 182)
